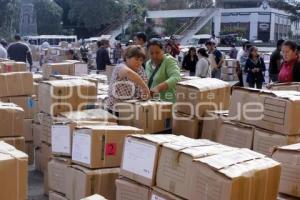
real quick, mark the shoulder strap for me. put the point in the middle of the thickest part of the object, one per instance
(152, 75)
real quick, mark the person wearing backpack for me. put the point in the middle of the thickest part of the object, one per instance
(162, 71)
(216, 59)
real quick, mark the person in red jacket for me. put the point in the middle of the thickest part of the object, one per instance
(290, 69)
(174, 51)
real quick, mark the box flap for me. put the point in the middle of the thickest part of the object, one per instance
(68, 83)
(204, 151)
(89, 114)
(284, 94)
(204, 84)
(156, 138)
(7, 150)
(185, 142)
(292, 147)
(227, 159)
(108, 127)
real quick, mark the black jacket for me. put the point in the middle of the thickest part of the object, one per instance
(258, 76)
(296, 72)
(188, 64)
(19, 52)
(102, 58)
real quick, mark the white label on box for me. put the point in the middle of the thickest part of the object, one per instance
(139, 157)
(61, 139)
(81, 69)
(81, 151)
(155, 197)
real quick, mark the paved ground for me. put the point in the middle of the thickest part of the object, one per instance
(36, 188)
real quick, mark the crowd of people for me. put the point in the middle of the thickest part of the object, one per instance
(149, 68)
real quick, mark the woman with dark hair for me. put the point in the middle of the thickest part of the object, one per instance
(129, 80)
(163, 72)
(203, 68)
(190, 61)
(290, 68)
(255, 68)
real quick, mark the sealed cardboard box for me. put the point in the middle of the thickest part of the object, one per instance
(211, 123)
(288, 156)
(265, 141)
(29, 150)
(12, 119)
(159, 194)
(57, 172)
(197, 96)
(26, 102)
(28, 130)
(46, 122)
(83, 182)
(186, 125)
(236, 135)
(140, 157)
(17, 142)
(151, 116)
(12, 66)
(285, 86)
(45, 157)
(241, 174)
(271, 110)
(61, 138)
(56, 196)
(94, 197)
(90, 115)
(231, 63)
(78, 68)
(100, 146)
(57, 69)
(37, 135)
(16, 84)
(174, 166)
(66, 95)
(130, 190)
(13, 173)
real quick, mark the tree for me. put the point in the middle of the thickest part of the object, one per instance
(9, 18)
(290, 6)
(49, 16)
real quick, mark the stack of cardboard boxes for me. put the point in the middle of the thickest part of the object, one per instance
(194, 98)
(228, 71)
(176, 167)
(17, 89)
(261, 119)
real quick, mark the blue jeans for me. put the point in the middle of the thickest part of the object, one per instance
(216, 73)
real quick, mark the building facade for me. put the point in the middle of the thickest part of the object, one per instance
(28, 24)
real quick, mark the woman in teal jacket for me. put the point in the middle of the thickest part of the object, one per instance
(162, 71)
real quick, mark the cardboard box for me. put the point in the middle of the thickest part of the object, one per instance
(240, 174)
(37, 135)
(46, 183)
(38, 158)
(286, 86)
(61, 138)
(56, 69)
(197, 96)
(186, 125)
(57, 171)
(231, 63)
(265, 141)
(29, 150)
(94, 197)
(174, 166)
(270, 110)
(151, 116)
(28, 130)
(56, 196)
(100, 146)
(78, 68)
(159, 194)
(46, 122)
(46, 156)
(36, 89)
(66, 95)
(211, 123)
(129, 190)
(12, 66)
(12, 118)
(288, 156)
(90, 115)
(236, 135)
(140, 157)
(13, 173)
(16, 84)
(83, 182)
(17, 142)
(26, 102)
(286, 197)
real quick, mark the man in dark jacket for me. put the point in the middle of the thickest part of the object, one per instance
(275, 62)
(19, 51)
(102, 58)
